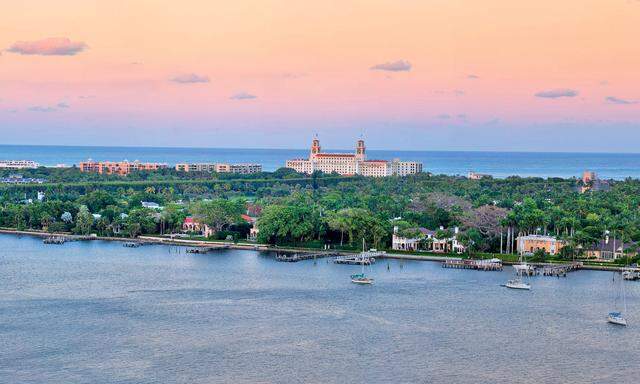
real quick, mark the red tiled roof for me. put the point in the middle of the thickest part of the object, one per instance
(248, 218)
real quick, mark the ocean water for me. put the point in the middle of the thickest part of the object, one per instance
(96, 312)
(499, 164)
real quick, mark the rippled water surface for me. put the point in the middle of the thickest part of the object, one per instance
(96, 312)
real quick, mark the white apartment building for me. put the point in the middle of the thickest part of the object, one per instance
(219, 168)
(18, 164)
(351, 163)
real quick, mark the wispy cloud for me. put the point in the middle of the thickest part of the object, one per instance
(557, 93)
(243, 96)
(62, 104)
(393, 66)
(443, 116)
(53, 46)
(473, 77)
(40, 108)
(619, 101)
(190, 78)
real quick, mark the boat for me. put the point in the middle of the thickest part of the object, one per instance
(631, 274)
(522, 268)
(617, 317)
(361, 278)
(517, 283)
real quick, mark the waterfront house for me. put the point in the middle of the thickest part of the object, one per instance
(191, 224)
(426, 240)
(253, 231)
(609, 249)
(529, 244)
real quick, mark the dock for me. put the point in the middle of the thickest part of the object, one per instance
(295, 257)
(560, 270)
(204, 250)
(479, 265)
(54, 240)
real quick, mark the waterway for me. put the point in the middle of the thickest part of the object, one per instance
(97, 312)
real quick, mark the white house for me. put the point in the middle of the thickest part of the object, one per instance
(432, 243)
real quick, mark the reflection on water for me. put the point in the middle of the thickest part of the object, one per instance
(101, 313)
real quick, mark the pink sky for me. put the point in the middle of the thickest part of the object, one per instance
(199, 72)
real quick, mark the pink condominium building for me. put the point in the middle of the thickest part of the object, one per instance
(352, 163)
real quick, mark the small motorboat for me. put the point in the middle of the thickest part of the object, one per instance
(361, 278)
(616, 318)
(517, 283)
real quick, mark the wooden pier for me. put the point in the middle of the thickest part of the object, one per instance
(54, 240)
(479, 265)
(295, 257)
(559, 270)
(203, 250)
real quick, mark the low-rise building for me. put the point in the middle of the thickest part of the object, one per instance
(610, 249)
(191, 224)
(529, 244)
(119, 168)
(19, 179)
(18, 164)
(591, 182)
(243, 168)
(426, 240)
(477, 176)
(151, 205)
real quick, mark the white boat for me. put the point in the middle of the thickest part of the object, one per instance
(521, 269)
(361, 278)
(517, 283)
(631, 274)
(617, 317)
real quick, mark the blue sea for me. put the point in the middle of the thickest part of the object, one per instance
(498, 164)
(97, 312)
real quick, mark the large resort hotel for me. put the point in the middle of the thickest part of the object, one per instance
(352, 163)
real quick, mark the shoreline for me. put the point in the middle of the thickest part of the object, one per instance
(262, 247)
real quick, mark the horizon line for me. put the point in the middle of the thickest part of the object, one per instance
(305, 149)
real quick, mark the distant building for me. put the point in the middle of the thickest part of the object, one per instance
(151, 205)
(590, 182)
(351, 163)
(122, 168)
(478, 176)
(610, 249)
(18, 164)
(18, 179)
(529, 244)
(219, 168)
(427, 241)
(191, 224)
